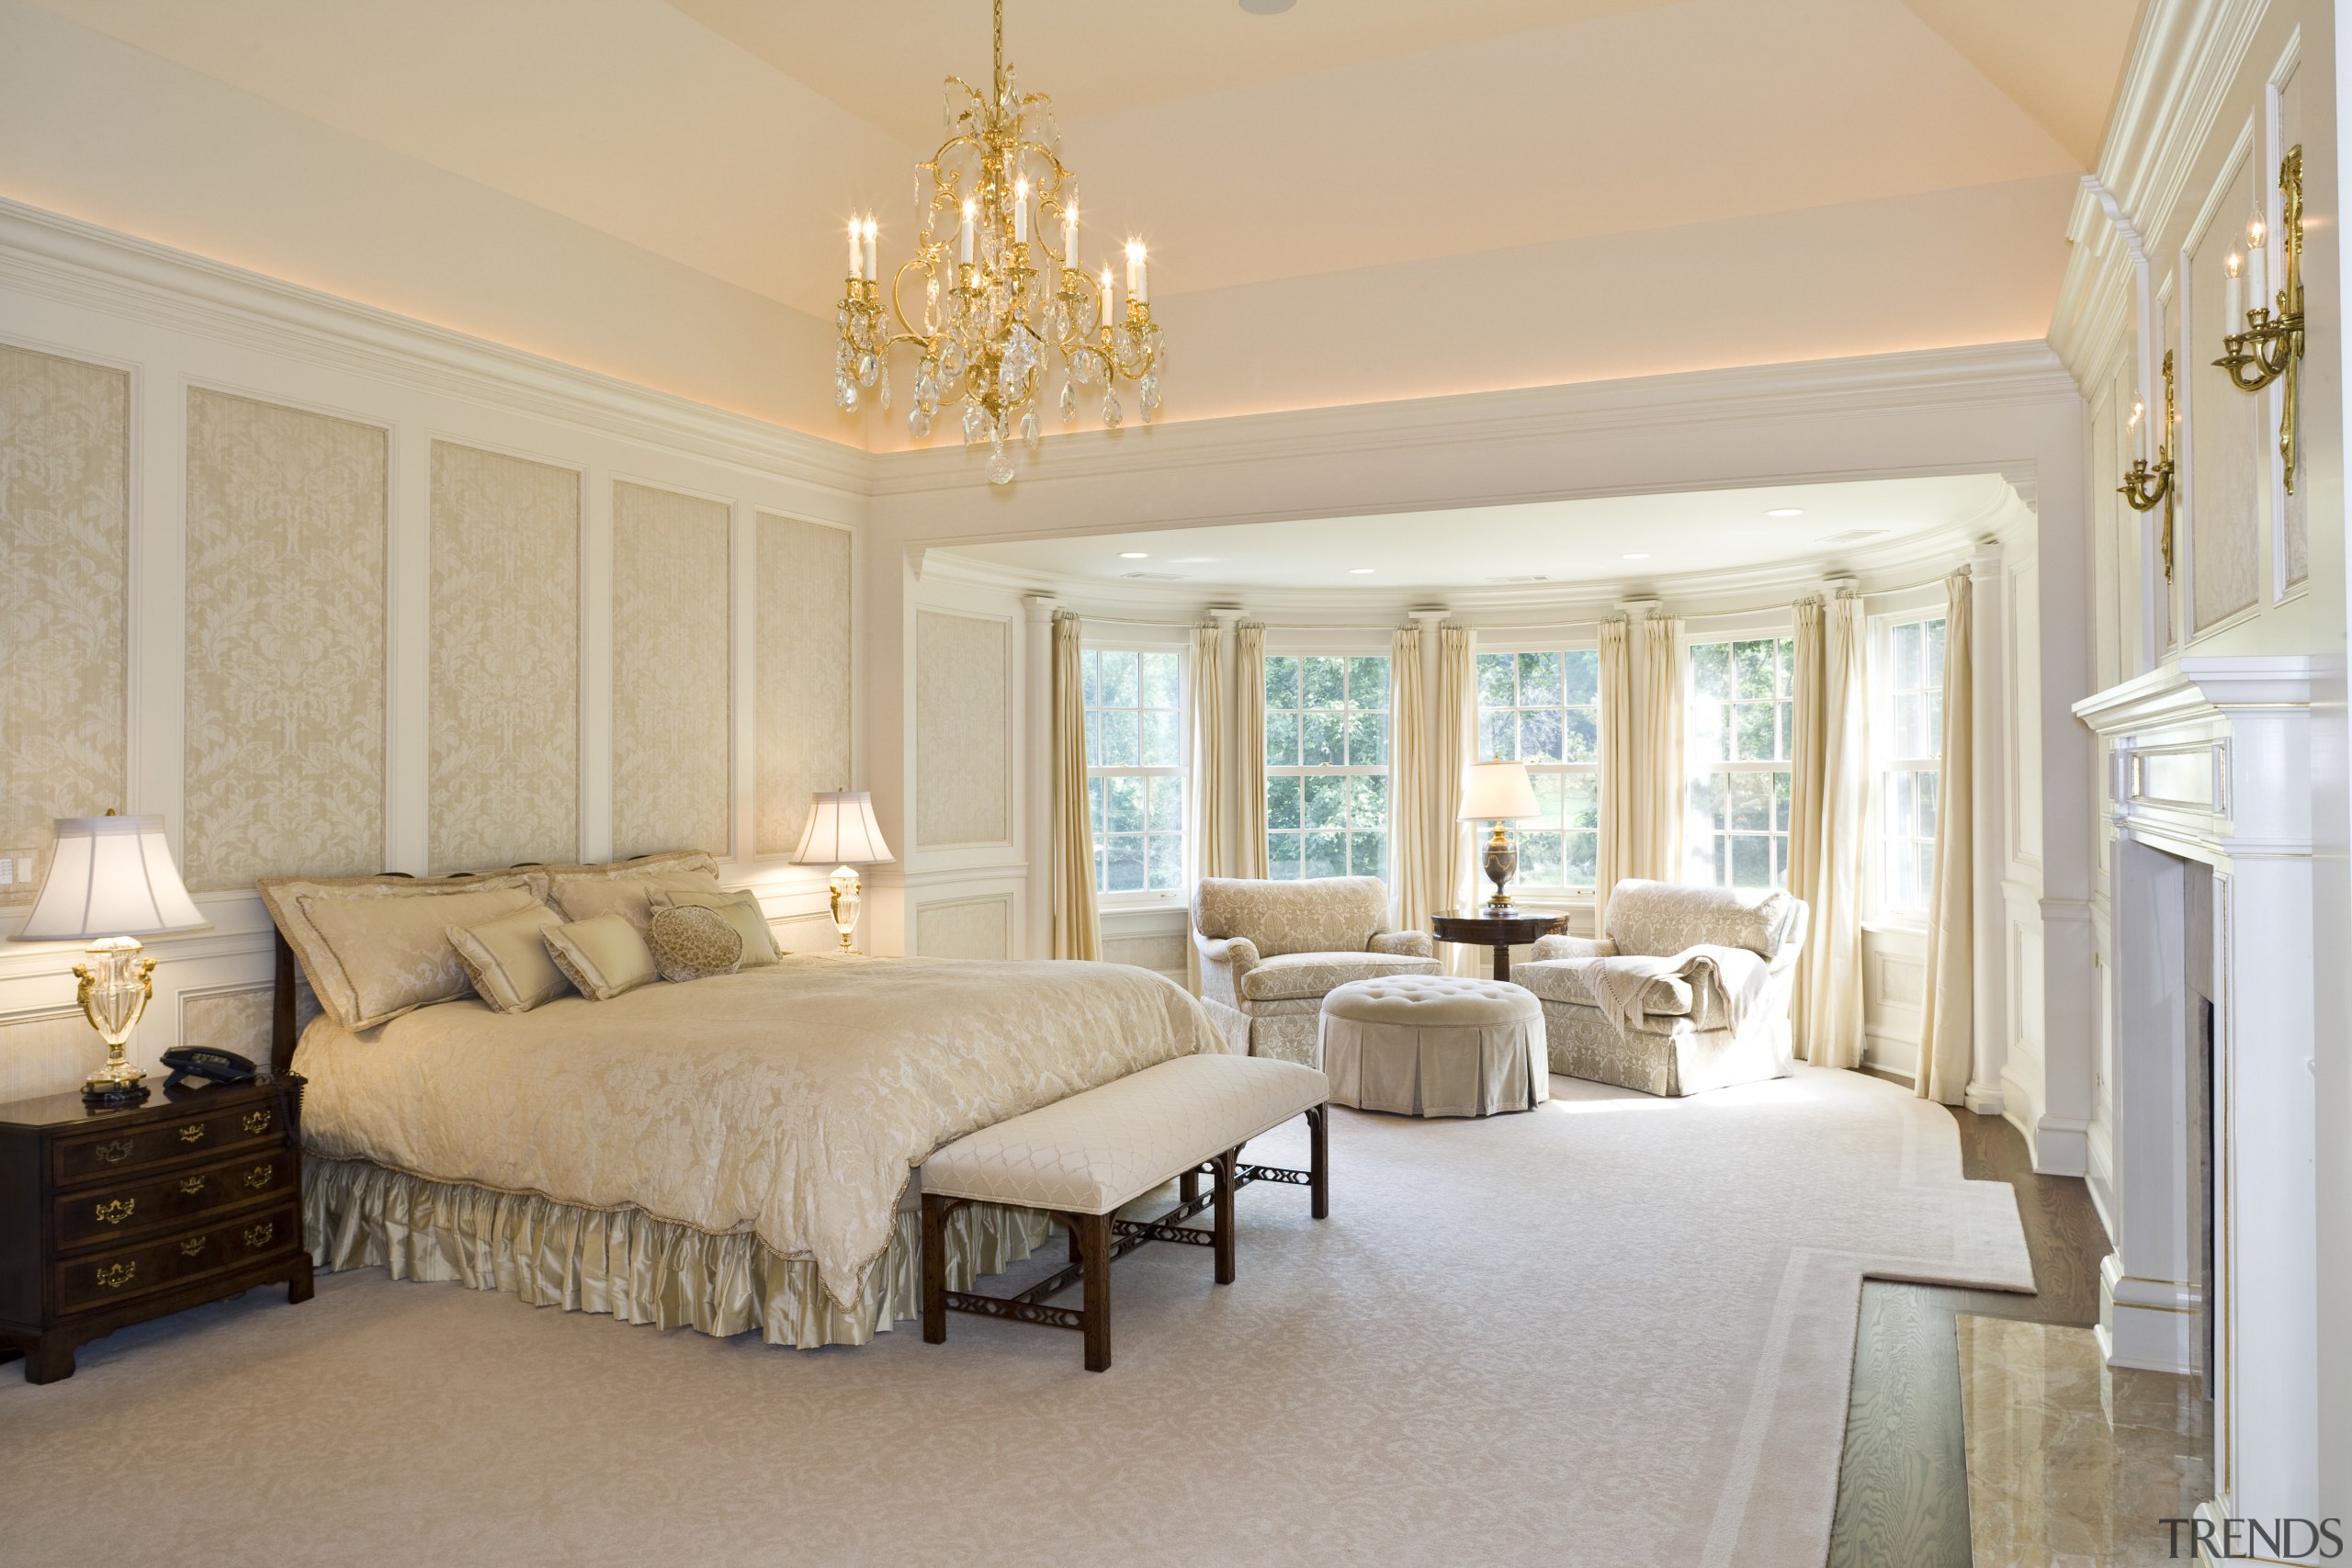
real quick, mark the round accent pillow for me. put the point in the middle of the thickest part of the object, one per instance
(690, 942)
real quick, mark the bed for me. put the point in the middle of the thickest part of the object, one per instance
(731, 1154)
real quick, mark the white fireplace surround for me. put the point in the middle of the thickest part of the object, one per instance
(2210, 762)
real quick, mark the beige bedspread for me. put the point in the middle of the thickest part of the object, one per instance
(790, 1101)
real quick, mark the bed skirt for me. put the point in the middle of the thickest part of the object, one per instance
(359, 1215)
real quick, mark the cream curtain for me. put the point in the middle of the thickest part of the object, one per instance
(1078, 933)
(1620, 771)
(1409, 784)
(1212, 806)
(1658, 819)
(1828, 801)
(1249, 749)
(1946, 1006)
(1453, 748)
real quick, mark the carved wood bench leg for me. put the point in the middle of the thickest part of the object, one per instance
(1223, 1168)
(1188, 1186)
(935, 1269)
(1318, 1160)
(1095, 1252)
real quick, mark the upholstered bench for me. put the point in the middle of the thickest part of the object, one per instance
(1435, 1045)
(1084, 1157)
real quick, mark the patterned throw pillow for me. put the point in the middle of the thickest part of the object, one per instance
(690, 942)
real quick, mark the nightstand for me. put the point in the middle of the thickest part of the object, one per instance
(112, 1217)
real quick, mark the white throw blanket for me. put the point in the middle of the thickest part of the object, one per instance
(1725, 981)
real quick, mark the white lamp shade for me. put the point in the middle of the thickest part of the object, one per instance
(1497, 791)
(110, 877)
(841, 831)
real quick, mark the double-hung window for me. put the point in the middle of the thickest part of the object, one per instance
(1544, 709)
(1742, 717)
(1135, 767)
(1327, 766)
(1909, 753)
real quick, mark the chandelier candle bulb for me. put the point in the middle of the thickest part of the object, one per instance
(872, 232)
(970, 211)
(1138, 289)
(2257, 276)
(856, 249)
(1020, 213)
(2233, 292)
(1069, 235)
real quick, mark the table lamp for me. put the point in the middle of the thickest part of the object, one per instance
(1499, 792)
(111, 881)
(842, 829)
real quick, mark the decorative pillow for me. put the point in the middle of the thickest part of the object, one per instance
(623, 887)
(741, 907)
(602, 956)
(507, 958)
(375, 947)
(691, 942)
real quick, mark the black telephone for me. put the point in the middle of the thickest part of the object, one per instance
(205, 1061)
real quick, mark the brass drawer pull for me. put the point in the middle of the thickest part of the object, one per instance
(258, 1178)
(192, 1133)
(114, 1211)
(192, 1185)
(257, 1121)
(114, 1152)
(191, 1249)
(258, 1236)
(115, 1276)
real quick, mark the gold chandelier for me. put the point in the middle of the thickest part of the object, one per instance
(995, 302)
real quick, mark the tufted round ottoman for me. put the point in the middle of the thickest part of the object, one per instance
(1434, 1045)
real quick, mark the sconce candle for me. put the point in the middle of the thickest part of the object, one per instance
(2270, 341)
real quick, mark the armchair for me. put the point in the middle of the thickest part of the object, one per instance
(1270, 950)
(1683, 1037)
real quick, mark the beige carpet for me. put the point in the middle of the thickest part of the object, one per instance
(1614, 1331)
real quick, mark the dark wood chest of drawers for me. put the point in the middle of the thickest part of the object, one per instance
(112, 1217)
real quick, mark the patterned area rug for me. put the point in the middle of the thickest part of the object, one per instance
(1612, 1330)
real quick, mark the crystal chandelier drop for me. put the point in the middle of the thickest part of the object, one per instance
(992, 304)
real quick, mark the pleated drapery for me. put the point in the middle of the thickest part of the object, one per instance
(1657, 820)
(1620, 773)
(1078, 932)
(1249, 744)
(1212, 807)
(1829, 787)
(1454, 746)
(1410, 785)
(1948, 1002)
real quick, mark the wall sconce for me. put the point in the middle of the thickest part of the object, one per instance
(2149, 484)
(2273, 338)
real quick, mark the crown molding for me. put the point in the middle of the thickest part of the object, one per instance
(77, 263)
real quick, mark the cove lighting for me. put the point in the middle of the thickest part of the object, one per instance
(1134, 554)
(1362, 570)
(1786, 511)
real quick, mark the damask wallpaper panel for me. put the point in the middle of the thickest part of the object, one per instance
(228, 1020)
(286, 628)
(967, 928)
(504, 774)
(51, 1053)
(64, 596)
(803, 706)
(2227, 477)
(963, 729)
(671, 664)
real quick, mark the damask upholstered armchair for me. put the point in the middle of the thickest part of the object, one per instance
(1270, 950)
(1687, 991)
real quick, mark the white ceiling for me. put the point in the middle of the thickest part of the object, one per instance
(1583, 543)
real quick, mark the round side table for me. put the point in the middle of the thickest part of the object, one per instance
(1501, 932)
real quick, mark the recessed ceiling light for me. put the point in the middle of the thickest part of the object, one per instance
(1362, 570)
(1786, 511)
(1637, 555)
(1134, 554)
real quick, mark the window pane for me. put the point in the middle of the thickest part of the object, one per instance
(1539, 858)
(1162, 679)
(1494, 680)
(1368, 854)
(1323, 738)
(1539, 734)
(1583, 851)
(1164, 798)
(1123, 803)
(1581, 670)
(1094, 806)
(1165, 863)
(1751, 861)
(1710, 732)
(1780, 784)
(1580, 800)
(1929, 778)
(1547, 795)
(1126, 863)
(1931, 743)
(1327, 802)
(1327, 854)
(1118, 680)
(1539, 680)
(1710, 668)
(1281, 683)
(1281, 739)
(1497, 737)
(1753, 669)
(1368, 800)
(1751, 801)
(1282, 801)
(1788, 662)
(1368, 683)
(1324, 681)
(1935, 653)
(1707, 800)
(1786, 746)
(1119, 740)
(1368, 740)
(1581, 736)
(1282, 856)
(1089, 665)
(1925, 877)
(1161, 747)
(1754, 722)
(1901, 809)
(1093, 738)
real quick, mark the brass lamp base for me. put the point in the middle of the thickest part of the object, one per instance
(1502, 865)
(846, 890)
(113, 991)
